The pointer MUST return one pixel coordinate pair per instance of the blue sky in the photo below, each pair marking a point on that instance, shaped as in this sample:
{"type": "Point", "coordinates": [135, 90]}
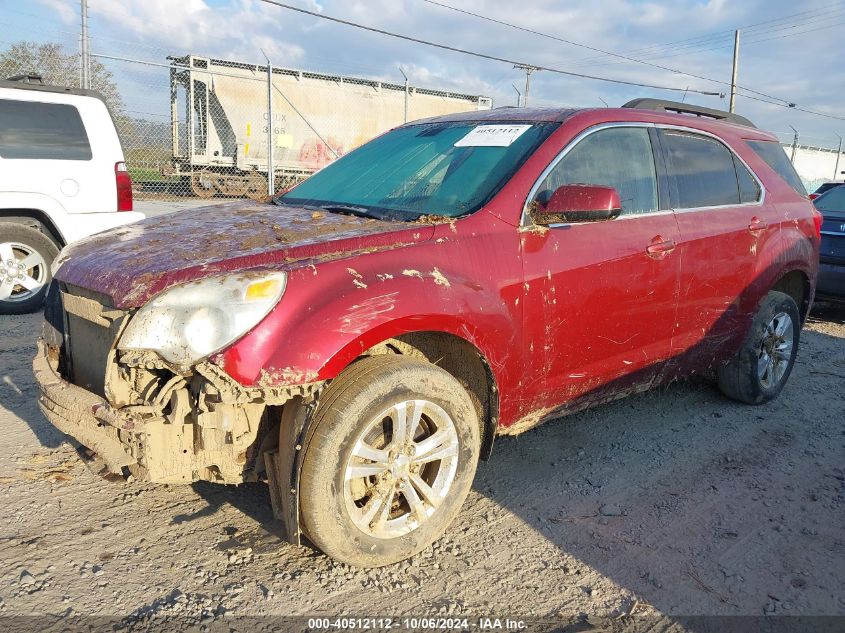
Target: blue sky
{"type": "Point", "coordinates": [793, 57]}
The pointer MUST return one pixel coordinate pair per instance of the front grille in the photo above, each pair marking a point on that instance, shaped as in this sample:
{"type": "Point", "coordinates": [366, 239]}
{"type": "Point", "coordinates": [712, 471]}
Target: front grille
{"type": "Point", "coordinates": [91, 327]}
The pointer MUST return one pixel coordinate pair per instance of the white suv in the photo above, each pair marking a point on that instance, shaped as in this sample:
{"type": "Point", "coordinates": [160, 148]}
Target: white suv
{"type": "Point", "coordinates": [62, 178]}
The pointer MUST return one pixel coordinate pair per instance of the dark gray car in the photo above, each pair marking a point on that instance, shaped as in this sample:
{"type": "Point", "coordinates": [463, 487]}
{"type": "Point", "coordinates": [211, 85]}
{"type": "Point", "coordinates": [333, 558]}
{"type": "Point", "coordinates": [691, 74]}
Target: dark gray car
{"type": "Point", "coordinates": [831, 283]}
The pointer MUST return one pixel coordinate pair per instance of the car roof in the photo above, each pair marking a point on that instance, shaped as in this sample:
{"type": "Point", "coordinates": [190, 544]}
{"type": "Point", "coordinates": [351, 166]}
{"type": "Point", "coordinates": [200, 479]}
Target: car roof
{"type": "Point", "coordinates": [507, 114]}
{"type": "Point", "coordinates": [23, 85]}
{"type": "Point", "coordinates": [594, 116]}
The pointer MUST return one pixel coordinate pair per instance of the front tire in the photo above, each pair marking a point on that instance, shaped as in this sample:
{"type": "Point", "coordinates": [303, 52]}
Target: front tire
{"type": "Point", "coordinates": [390, 459]}
{"type": "Point", "coordinates": [25, 258]}
{"type": "Point", "coordinates": [762, 366]}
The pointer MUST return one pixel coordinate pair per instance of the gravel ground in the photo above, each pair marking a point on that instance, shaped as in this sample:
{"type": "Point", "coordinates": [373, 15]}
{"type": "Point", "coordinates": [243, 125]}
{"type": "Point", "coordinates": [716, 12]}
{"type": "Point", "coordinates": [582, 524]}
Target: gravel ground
{"type": "Point", "coordinates": [669, 504]}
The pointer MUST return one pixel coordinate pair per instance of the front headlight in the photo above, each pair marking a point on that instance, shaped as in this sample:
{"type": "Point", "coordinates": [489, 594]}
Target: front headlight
{"type": "Point", "coordinates": [187, 323]}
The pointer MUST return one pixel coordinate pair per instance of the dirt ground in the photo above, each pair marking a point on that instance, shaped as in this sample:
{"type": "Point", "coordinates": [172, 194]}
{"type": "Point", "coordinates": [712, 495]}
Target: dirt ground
{"type": "Point", "coordinates": [674, 503]}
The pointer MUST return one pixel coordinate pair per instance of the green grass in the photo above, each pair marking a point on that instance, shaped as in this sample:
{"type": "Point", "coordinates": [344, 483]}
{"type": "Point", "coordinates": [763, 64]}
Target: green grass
{"type": "Point", "coordinates": [149, 174]}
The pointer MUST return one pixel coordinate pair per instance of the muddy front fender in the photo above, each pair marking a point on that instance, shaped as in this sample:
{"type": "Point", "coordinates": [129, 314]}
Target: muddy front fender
{"type": "Point", "coordinates": [331, 314]}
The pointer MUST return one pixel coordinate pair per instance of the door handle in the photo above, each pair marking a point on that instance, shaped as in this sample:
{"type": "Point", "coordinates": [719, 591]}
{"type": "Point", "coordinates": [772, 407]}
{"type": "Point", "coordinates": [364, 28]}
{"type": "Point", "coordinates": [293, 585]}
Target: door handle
{"type": "Point", "coordinates": [659, 247]}
{"type": "Point", "coordinates": [756, 225]}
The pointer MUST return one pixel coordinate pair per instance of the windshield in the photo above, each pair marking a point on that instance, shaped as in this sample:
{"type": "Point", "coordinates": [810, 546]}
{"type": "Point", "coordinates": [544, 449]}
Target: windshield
{"type": "Point", "coordinates": [440, 169]}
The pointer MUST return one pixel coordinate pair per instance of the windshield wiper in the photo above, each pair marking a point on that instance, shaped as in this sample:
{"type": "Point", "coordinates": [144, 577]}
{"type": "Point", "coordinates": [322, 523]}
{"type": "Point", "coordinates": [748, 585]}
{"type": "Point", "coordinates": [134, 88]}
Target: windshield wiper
{"type": "Point", "coordinates": [350, 210]}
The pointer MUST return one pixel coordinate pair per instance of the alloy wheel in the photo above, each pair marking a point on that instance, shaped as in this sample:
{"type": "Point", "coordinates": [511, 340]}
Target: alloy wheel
{"type": "Point", "coordinates": [775, 350]}
{"type": "Point", "coordinates": [23, 271]}
{"type": "Point", "coordinates": [401, 469]}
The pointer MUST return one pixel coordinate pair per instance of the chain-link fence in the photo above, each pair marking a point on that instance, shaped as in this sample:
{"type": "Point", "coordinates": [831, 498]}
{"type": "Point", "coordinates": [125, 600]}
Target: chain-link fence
{"type": "Point", "coordinates": [193, 126]}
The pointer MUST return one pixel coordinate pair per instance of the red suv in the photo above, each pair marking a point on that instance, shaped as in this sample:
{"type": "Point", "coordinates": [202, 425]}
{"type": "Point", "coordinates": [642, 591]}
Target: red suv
{"type": "Point", "coordinates": [359, 341]}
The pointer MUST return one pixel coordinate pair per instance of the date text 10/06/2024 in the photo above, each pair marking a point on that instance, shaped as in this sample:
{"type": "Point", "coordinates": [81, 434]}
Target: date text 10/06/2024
{"type": "Point", "coordinates": [421, 623]}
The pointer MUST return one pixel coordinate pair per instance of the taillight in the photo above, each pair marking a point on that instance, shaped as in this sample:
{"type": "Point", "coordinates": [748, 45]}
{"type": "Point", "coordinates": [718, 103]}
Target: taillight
{"type": "Point", "coordinates": [124, 187]}
{"type": "Point", "coordinates": [818, 219]}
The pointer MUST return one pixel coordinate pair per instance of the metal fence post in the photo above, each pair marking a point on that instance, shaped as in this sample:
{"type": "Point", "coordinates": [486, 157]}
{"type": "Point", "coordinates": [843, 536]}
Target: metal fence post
{"type": "Point", "coordinates": [838, 154]}
{"type": "Point", "coordinates": [406, 93]}
{"type": "Point", "coordinates": [794, 145]}
{"type": "Point", "coordinates": [271, 172]}
{"type": "Point", "coordinates": [86, 55]}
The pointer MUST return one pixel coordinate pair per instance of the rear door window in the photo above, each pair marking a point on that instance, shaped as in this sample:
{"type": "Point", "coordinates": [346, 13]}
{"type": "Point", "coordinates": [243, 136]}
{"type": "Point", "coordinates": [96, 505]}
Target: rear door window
{"type": "Point", "coordinates": [34, 130]}
{"type": "Point", "coordinates": [621, 158]}
{"type": "Point", "coordinates": [772, 152]}
{"type": "Point", "coordinates": [702, 171]}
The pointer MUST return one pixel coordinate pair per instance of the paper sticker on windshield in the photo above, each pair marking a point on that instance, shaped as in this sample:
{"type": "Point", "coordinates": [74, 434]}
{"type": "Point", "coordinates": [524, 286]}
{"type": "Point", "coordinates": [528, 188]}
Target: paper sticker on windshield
{"type": "Point", "coordinates": [492, 136]}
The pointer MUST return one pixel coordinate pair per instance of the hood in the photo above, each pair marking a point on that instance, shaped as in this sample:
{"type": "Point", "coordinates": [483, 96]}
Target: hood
{"type": "Point", "coordinates": [132, 263]}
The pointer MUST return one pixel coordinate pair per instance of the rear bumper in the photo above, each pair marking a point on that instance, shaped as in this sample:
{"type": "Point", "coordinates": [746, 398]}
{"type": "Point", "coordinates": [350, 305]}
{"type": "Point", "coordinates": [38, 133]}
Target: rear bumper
{"type": "Point", "coordinates": [79, 413]}
{"type": "Point", "coordinates": [831, 282]}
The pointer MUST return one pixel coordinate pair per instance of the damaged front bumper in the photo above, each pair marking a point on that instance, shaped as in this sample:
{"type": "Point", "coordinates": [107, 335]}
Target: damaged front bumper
{"type": "Point", "coordinates": [202, 426]}
{"type": "Point", "coordinates": [79, 413]}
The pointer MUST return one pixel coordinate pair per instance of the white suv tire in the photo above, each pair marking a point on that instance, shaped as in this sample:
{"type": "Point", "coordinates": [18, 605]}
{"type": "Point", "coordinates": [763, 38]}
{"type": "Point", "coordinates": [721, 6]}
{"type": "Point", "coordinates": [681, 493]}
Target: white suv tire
{"type": "Point", "coordinates": [25, 258]}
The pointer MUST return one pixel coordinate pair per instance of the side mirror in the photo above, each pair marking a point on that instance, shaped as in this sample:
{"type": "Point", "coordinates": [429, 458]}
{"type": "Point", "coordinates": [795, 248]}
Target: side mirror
{"type": "Point", "coordinates": [578, 203]}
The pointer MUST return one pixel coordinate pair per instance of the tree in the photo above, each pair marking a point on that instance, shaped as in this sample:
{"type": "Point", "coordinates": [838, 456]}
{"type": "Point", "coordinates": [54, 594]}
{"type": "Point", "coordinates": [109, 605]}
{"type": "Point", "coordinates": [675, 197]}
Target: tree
{"type": "Point", "coordinates": [58, 68]}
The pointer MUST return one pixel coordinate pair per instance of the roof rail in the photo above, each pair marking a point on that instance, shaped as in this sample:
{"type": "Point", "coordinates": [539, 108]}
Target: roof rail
{"type": "Point", "coordinates": [688, 108]}
{"type": "Point", "coordinates": [27, 78]}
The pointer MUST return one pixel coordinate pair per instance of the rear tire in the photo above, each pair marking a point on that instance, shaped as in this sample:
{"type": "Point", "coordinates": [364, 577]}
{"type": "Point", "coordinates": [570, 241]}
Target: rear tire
{"type": "Point", "coordinates": [26, 255]}
{"type": "Point", "coordinates": [762, 366]}
{"type": "Point", "coordinates": [389, 461]}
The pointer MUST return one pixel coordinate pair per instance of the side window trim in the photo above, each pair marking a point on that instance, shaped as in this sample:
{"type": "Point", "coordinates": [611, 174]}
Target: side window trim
{"type": "Point", "coordinates": [527, 222]}
{"type": "Point", "coordinates": [668, 188]}
{"type": "Point", "coordinates": [664, 197]}
{"type": "Point", "coordinates": [761, 198]}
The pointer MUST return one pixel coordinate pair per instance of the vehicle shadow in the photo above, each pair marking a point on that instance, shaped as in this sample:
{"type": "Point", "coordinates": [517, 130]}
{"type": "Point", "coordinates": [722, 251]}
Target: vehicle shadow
{"type": "Point", "coordinates": [830, 311]}
{"type": "Point", "coordinates": [18, 391]}
{"type": "Point", "coordinates": [693, 503]}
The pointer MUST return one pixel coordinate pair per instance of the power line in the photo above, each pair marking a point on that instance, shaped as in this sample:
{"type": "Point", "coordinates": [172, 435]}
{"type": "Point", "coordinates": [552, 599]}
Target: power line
{"type": "Point", "coordinates": [794, 106]}
{"type": "Point", "coordinates": [770, 99]}
{"type": "Point", "coordinates": [707, 39]}
{"type": "Point", "coordinates": [724, 42]}
{"type": "Point", "coordinates": [593, 48]}
{"type": "Point", "coordinates": [707, 43]}
{"type": "Point", "coordinates": [758, 40]}
{"type": "Point", "coordinates": [757, 35]}
{"type": "Point", "coordinates": [464, 51]}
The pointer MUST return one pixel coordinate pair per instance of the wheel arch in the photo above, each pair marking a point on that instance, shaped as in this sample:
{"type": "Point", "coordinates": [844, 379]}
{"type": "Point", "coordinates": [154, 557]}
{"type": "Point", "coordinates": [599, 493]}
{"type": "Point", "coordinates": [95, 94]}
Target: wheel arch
{"type": "Point", "coordinates": [36, 219]}
{"type": "Point", "coordinates": [797, 285]}
{"type": "Point", "coordinates": [461, 359]}
{"type": "Point", "coordinates": [292, 422]}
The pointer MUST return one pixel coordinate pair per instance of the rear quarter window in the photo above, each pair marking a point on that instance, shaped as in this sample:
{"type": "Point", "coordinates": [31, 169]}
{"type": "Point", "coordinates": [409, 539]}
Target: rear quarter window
{"type": "Point", "coordinates": [34, 130]}
{"type": "Point", "coordinates": [774, 156]}
{"type": "Point", "coordinates": [749, 189]}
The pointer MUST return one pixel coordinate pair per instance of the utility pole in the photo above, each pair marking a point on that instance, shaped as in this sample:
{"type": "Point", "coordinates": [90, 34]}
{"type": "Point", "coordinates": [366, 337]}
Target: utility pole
{"type": "Point", "coordinates": [406, 92]}
{"type": "Point", "coordinates": [838, 154]}
{"type": "Point", "coordinates": [518, 95]}
{"type": "Point", "coordinates": [735, 70]}
{"type": "Point", "coordinates": [528, 70]}
{"type": "Point", "coordinates": [86, 55]}
{"type": "Point", "coordinates": [794, 145]}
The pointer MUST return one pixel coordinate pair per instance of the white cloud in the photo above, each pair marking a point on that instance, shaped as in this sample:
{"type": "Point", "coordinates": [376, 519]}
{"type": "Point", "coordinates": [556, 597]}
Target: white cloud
{"type": "Point", "coordinates": [803, 68]}
{"type": "Point", "coordinates": [62, 8]}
